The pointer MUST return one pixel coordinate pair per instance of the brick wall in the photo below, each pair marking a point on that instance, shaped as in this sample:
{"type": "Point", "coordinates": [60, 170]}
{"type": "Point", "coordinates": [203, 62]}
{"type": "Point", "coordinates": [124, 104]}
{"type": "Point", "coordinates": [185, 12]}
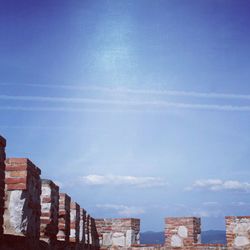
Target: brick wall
{"type": "Point", "coordinates": [238, 232]}
{"type": "Point", "coordinates": [2, 177]}
{"type": "Point", "coordinates": [64, 218]}
{"type": "Point", "coordinates": [93, 234]}
{"type": "Point", "coordinates": [87, 231]}
{"type": "Point", "coordinates": [22, 200]}
{"type": "Point", "coordinates": [49, 212]}
{"type": "Point", "coordinates": [74, 222]}
{"type": "Point", "coordinates": [82, 226]}
{"type": "Point", "coordinates": [118, 232]}
{"type": "Point", "coordinates": [182, 231]}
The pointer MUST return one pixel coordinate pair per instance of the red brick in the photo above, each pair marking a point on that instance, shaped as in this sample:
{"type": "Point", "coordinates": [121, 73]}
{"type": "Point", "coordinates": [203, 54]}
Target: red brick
{"type": "Point", "coordinates": [19, 186]}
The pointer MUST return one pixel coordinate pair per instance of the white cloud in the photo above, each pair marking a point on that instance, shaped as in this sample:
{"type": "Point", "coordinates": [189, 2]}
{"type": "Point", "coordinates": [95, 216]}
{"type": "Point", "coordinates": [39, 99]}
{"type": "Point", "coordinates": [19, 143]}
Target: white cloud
{"type": "Point", "coordinates": [122, 209]}
{"type": "Point", "coordinates": [217, 185]}
{"type": "Point", "coordinates": [99, 180]}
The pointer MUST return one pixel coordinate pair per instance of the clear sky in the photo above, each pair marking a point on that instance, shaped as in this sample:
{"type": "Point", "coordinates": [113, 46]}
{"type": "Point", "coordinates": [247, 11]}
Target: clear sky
{"type": "Point", "coordinates": [137, 108]}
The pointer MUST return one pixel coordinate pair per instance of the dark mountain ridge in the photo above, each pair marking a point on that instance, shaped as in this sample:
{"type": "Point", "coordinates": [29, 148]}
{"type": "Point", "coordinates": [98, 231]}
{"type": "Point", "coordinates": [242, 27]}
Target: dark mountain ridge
{"type": "Point", "coordinates": [207, 237]}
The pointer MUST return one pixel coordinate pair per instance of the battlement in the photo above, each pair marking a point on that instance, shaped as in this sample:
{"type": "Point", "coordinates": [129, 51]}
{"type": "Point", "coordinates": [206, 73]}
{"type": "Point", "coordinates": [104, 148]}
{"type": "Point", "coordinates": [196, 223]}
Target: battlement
{"type": "Point", "coordinates": [35, 215]}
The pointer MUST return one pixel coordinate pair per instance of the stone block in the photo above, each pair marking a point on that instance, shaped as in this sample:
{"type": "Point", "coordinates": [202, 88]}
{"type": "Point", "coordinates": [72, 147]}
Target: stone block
{"type": "Point", "coordinates": [49, 212]}
{"type": "Point", "coordinates": [182, 231]}
{"type": "Point", "coordinates": [64, 218]}
{"type": "Point", "coordinates": [238, 232]}
{"type": "Point", "coordinates": [74, 222]}
{"type": "Point", "coordinates": [22, 200]}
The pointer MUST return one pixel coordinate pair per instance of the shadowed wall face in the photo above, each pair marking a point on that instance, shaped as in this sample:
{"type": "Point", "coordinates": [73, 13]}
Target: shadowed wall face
{"type": "Point", "coordinates": [64, 218]}
{"type": "Point", "coordinates": [2, 177]}
{"type": "Point", "coordinates": [49, 211]}
{"type": "Point", "coordinates": [74, 222]}
{"type": "Point", "coordinates": [82, 226]}
{"type": "Point", "coordinates": [22, 199]}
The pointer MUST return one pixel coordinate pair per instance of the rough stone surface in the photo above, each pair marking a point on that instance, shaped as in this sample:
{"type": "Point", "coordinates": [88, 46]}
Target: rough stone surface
{"type": "Point", "coordinates": [22, 200]}
{"type": "Point", "coordinates": [82, 226]}
{"type": "Point", "coordinates": [74, 222]}
{"type": "Point", "coordinates": [49, 212]}
{"type": "Point", "coordinates": [182, 231]}
{"type": "Point", "coordinates": [238, 231]}
{"type": "Point", "coordinates": [64, 218]}
{"type": "Point", "coordinates": [118, 232]}
{"type": "Point", "coordinates": [87, 231]}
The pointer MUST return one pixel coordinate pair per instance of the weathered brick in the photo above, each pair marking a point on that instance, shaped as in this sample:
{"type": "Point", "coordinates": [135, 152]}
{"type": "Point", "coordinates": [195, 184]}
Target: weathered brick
{"type": "Point", "coordinates": [49, 212]}
{"type": "Point", "coordinates": [122, 232]}
{"type": "Point", "coordinates": [64, 218]}
{"type": "Point", "coordinates": [22, 201]}
{"type": "Point", "coordinates": [182, 231]}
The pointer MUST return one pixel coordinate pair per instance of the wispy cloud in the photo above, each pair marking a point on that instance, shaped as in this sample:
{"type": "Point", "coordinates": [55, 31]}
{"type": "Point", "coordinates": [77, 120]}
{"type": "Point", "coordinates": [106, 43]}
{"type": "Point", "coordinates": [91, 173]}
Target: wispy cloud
{"type": "Point", "coordinates": [208, 213]}
{"type": "Point", "coordinates": [117, 180]}
{"type": "Point", "coordinates": [218, 185]}
{"type": "Point", "coordinates": [210, 203]}
{"type": "Point", "coordinates": [117, 106]}
{"type": "Point", "coordinates": [122, 209]}
{"type": "Point", "coordinates": [159, 91]}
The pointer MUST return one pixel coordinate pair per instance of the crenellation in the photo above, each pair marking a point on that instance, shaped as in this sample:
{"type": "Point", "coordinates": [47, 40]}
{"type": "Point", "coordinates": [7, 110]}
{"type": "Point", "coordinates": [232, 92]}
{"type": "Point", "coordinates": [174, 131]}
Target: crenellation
{"type": "Point", "coordinates": [49, 212]}
{"type": "Point", "coordinates": [122, 232]}
{"type": "Point", "coordinates": [237, 232]}
{"type": "Point", "coordinates": [22, 200]}
{"type": "Point", "coordinates": [182, 231]}
{"type": "Point", "coordinates": [74, 222]}
{"type": "Point", "coordinates": [82, 226]}
{"type": "Point", "coordinates": [35, 215]}
{"type": "Point", "coordinates": [64, 218]}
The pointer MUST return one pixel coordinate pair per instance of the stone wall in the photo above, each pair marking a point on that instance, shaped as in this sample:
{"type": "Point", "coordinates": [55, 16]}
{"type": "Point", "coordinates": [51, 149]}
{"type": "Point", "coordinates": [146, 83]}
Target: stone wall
{"type": "Point", "coordinates": [49, 212]}
{"type": "Point", "coordinates": [238, 232]}
{"type": "Point", "coordinates": [36, 217]}
{"type": "Point", "coordinates": [87, 231]}
{"type": "Point", "coordinates": [82, 226]}
{"type": "Point", "coordinates": [64, 218]}
{"type": "Point", "coordinates": [74, 222]}
{"type": "Point", "coordinates": [94, 237]}
{"type": "Point", "coordinates": [2, 177]}
{"type": "Point", "coordinates": [118, 232]}
{"type": "Point", "coordinates": [22, 200]}
{"type": "Point", "coordinates": [182, 231]}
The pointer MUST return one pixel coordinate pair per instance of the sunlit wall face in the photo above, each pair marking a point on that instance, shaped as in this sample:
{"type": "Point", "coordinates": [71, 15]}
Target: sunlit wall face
{"type": "Point", "coordinates": [137, 108]}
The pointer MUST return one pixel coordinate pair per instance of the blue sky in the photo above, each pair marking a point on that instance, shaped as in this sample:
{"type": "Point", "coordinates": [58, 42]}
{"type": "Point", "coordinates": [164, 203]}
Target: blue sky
{"type": "Point", "coordinates": [137, 108]}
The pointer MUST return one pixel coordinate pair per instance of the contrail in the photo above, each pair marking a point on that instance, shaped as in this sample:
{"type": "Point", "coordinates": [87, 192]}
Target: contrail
{"type": "Point", "coordinates": [140, 91]}
{"type": "Point", "coordinates": [155, 104]}
{"type": "Point", "coordinates": [147, 107]}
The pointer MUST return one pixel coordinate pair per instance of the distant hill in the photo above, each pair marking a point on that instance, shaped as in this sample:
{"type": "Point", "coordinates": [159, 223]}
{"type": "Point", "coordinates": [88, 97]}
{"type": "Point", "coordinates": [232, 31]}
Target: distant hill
{"type": "Point", "coordinates": [211, 236]}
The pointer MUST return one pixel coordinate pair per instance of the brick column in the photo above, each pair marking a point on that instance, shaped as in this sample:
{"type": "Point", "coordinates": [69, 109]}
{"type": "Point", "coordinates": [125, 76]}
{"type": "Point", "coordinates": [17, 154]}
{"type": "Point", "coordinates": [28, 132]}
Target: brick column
{"type": "Point", "coordinates": [82, 226]}
{"type": "Point", "coordinates": [122, 232]}
{"type": "Point", "coordinates": [237, 232]}
{"type": "Point", "coordinates": [64, 218]}
{"type": "Point", "coordinates": [94, 234]}
{"type": "Point", "coordinates": [2, 177]}
{"type": "Point", "coordinates": [22, 200]}
{"type": "Point", "coordinates": [182, 231]}
{"type": "Point", "coordinates": [74, 222]}
{"type": "Point", "coordinates": [49, 212]}
{"type": "Point", "coordinates": [87, 232]}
